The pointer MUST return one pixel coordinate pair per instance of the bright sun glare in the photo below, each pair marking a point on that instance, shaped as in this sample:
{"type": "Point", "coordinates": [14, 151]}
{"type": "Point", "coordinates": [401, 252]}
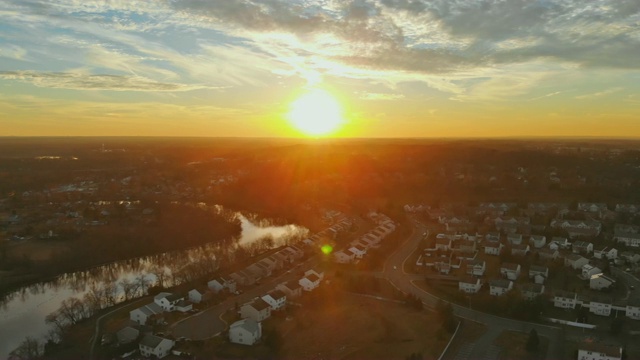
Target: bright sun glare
{"type": "Point", "coordinates": [316, 113]}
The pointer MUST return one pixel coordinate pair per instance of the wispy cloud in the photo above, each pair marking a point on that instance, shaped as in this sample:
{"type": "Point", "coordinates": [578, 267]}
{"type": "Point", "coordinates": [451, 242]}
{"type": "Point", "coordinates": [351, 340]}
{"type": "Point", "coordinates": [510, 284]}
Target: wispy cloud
{"type": "Point", "coordinates": [380, 96]}
{"type": "Point", "coordinates": [79, 81]}
{"type": "Point", "coordinates": [599, 93]}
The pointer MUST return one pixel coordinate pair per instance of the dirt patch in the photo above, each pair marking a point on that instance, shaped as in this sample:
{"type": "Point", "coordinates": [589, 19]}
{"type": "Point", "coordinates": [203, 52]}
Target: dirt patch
{"type": "Point", "coordinates": [36, 250]}
{"type": "Point", "coordinates": [340, 325]}
{"type": "Point", "coordinates": [513, 345]}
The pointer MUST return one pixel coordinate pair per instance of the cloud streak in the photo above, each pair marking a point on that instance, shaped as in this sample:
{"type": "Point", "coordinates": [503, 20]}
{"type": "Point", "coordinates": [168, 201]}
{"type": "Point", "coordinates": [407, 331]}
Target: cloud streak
{"type": "Point", "coordinates": [78, 81]}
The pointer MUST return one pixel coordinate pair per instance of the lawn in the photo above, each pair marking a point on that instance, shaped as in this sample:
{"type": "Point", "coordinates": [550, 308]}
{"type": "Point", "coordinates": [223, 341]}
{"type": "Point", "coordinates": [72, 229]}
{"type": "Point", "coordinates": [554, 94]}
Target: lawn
{"type": "Point", "coordinates": [513, 345]}
{"type": "Point", "coordinates": [334, 324]}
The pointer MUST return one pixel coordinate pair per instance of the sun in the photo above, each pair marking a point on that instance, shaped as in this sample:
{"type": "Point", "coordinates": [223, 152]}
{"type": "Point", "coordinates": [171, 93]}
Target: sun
{"type": "Point", "coordinates": [316, 113]}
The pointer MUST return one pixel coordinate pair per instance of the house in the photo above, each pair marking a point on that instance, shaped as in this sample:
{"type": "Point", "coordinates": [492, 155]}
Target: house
{"type": "Point", "coordinates": [127, 335]}
{"type": "Point", "coordinates": [358, 251]}
{"type": "Point", "coordinates": [538, 241]}
{"type": "Point", "coordinates": [245, 332]}
{"type": "Point", "coordinates": [167, 301]}
{"type": "Point", "coordinates": [344, 256]}
{"type": "Point", "coordinates": [499, 287]}
{"type": "Point", "coordinates": [548, 253]}
{"type": "Point", "coordinates": [606, 252]}
{"type": "Point", "coordinates": [588, 270]}
{"type": "Point", "coordinates": [142, 314]}
{"type": "Point", "coordinates": [443, 244]}
{"type": "Point", "coordinates": [493, 247]}
{"type": "Point", "coordinates": [468, 246]}
{"type": "Point", "coordinates": [627, 208]}
{"type": "Point", "coordinates": [514, 239]}
{"type": "Point", "coordinates": [155, 346]}
{"type": "Point", "coordinates": [597, 351]}
{"type": "Point", "coordinates": [257, 310]}
{"type": "Point", "coordinates": [565, 299]}
{"type": "Point", "coordinates": [469, 285]}
{"type": "Point", "coordinates": [600, 282]}
{"type": "Point", "coordinates": [510, 270]}
{"type": "Point", "coordinates": [531, 291]}
{"type": "Point", "coordinates": [476, 267]}
{"type": "Point", "coordinates": [632, 310]}
{"type": "Point", "coordinates": [535, 270]}
{"type": "Point", "coordinates": [592, 207]}
{"type": "Point", "coordinates": [218, 284]}
{"type": "Point", "coordinates": [277, 299]}
{"type": "Point", "coordinates": [309, 282]}
{"type": "Point", "coordinates": [600, 306]}
{"type": "Point", "coordinates": [575, 261]}
{"type": "Point", "coordinates": [582, 247]}
{"type": "Point", "coordinates": [184, 306]}
{"type": "Point", "coordinates": [520, 250]}
{"type": "Point", "coordinates": [244, 278]}
{"type": "Point", "coordinates": [197, 296]}
{"type": "Point", "coordinates": [291, 288]}
{"type": "Point", "coordinates": [498, 208]}
{"type": "Point", "coordinates": [558, 242]}
{"type": "Point", "coordinates": [627, 238]}
{"type": "Point", "coordinates": [630, 257]}
{"type": "Point", "coordinates": [315, 271]}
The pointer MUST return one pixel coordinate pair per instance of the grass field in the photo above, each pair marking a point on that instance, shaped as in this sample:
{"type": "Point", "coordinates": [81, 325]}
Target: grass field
{"type": "Point", "coordinates": [334, 324]}
{"type": "Point", "coordinates": [513, 345]}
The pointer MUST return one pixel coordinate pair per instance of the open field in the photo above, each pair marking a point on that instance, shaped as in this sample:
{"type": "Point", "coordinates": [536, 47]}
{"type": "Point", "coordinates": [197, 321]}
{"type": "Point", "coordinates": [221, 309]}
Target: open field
{"type": "Point", "coordinates": [338, 325]}
{"type": "Point", "coordinates": [513, 345]}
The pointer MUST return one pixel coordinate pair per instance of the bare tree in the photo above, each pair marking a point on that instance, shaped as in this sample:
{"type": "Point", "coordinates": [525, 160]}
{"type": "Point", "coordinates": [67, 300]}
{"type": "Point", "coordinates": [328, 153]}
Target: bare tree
{"type": "Point", "coordinates": [28, 349]}
{"type": "Point", "coordinates": [128, 288]}
{"type": "Point", "coordinates": [141, 284]}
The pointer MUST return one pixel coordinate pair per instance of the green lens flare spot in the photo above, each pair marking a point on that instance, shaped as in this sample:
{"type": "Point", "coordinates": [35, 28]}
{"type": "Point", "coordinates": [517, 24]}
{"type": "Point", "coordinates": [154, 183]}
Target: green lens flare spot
{"type": "Point", "coordinates": [326, 249]}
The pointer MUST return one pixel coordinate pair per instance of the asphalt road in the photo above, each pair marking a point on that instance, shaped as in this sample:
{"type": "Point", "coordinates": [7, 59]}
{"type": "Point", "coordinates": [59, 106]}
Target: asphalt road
{"type": "Point", "coordinates": [394, 272]}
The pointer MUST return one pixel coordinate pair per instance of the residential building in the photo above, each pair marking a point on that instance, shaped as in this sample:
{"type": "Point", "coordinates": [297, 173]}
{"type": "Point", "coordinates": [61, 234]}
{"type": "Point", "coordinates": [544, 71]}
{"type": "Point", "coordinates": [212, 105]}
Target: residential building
{"type": "Point", "coordinates": [142, 314]}
{"type": "Point", "coordinates": [127, 335]}
{"type": "Point", "coordinates": [443, 244]}
{"type": "Point", "coordinates": [291, 288]}
{"type": "Point", "coordinates": [257, 310]}
{"type": "Point", "coordinates": [469, 285]}
{"type": "Point", "coordinates": [588, 270]}
{"type": "Point", "coordinates": [575, 261]}
{"type": "Point", "coordinates": [608, 253]}
{"type": "Point", "coordinates": [498, 287]}
{"type": "Point", "coordinates": [565, 300]}
{"type": "Point", "coordinates": [538, 241]}
{"type": "Point", "coordinates": [514, 239]}
{"type": "Point", "coordinates": [600, 306]}
{"type": "Point", "coordinates": [344, 256]}
{"type": "Point", "coordinates": [548, 253]}
{"type": "Point", "coordinates": [309, 282]}
{"type": "Point", "coordinates": [476, 267]}
{"type": "Point", "coordinates": [630, 257]}
{"type": "Point", "coordinates": [315, 271]}
{"type": "Point", "coordinates": [592, 207]}
{"type": "Point", "coordinates": [531, 291]}
{"type": "Point", "coordinates": [582, 247]}
{"type": "Point", "coordinates": [197, 296]}
{"type": "Point", "coordinates": [627, 238]}
{"type": "Point", "coordinates": [520, 250]}
{"type": "Point", "coordinates": [167, 301]}
{"type": "Point", "coordinates": [632, 310]}
{"type": "Point", "coordinates": [155, 346]}
{"type": "Point", "coordinates": [245, 332]}
{"type": "Point", "coordinates": [538, 270]}
{"type": "Point", "coordinates": [559, 243]}
{"type": "Point", "coordinates": [591, 351]}
{"type": "Point", "coordinates": [183, 306]}
{"type": "Point", "coordinates": [218, 284]}
{"type": "Point", "coordinates": [627, 208]}
{"type": "Point", "coordinates": [510, 270]}
{"type": "Point", "coordinates": [493, 247]}
{"type": "Point", "coordinates": [600, 282]}
{"type": "Point", "coordinates": [277, 299]}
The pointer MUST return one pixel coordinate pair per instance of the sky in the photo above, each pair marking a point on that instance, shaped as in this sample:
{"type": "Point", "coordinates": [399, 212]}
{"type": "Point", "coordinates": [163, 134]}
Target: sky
{"type": "Point", "coordinates": [397, 68]}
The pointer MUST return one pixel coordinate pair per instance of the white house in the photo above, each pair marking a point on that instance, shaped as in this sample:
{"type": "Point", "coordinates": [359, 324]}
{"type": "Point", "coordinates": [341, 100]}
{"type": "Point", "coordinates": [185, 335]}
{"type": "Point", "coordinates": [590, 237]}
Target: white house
{"type": "Point", "coordinates": [167, 301]}
{"type": "Point", "coordinates": [245, 332]}
{"type": "Point", "coordinates": [600, 281]}
{"type": "Point", "coordinates": [443, 244]}
{"type": "Point", "coordinates": [520, 249]}
{"type": "Point", "coordinates": [344, 256]}
{"type": "Point", "coordinates": [493, 247]}
{"type": "Point", "coordinates": [257, 310]}
{"type": "Point", "coordinates": [632, 310]}
{"type": "Point", "coordinates": [588, 270]}
{"type": "Point", "coordinates": [197, 296]}
{"type": "Point", "coordinates": [627, 238]}
{"type": "Point", "coordinates": [582, 247]}
{"type": "Point", "coordinates": [315, 271]}
{"type": "Point", "coordinates": [142, 314]}
{"type": "Point", "coordinates": [600, 306]}
{"type": "Point", "coordinates": [531, 291]}
{"type": "Point", "coordinates": [218, 284]}
{"type": "Point", "coordinates": [538, 241]}
{"type": "Point", "coordinates": [359, 251]}
{"type": "Point", "coordinates": [184, 306]}
{"type": "Point", "coordinates": [590, 351]}
{"type": "Point", "coordinates": [514, 239]}
{"type": "Point", "coordinates": [558, 242]}
{"type": "Point", "coordinates": [476, 267]}
{"type": "Point", "coordinates": [548, 253]}
{"type": "Point", "coordinates": [469, 285]}
{"type": "Point", "coordinates": [156, 346]}
{"type": "Point", "coordinates": [510, 270]}
{"type": "Point", "coordinates": [499, 287]}
{"type": "Point", "coordinates": [608, 253]}
{"type": "Point", "coordinates": [309, 282]}
{"type": "Point", "coordinates": [565, 300]}
{"type": "Point", "coordinates": [277, 299]}
{"type": "Point", "coordinates": [538, 273]}
{"type": "Point", "coordinates": [291, 288]}
{"type": "Point", "coordinates": [575, 261]}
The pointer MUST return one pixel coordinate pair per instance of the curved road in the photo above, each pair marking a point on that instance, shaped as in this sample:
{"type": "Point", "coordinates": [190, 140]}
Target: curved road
{"type": "Point", "coordinates": [394, 272]}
